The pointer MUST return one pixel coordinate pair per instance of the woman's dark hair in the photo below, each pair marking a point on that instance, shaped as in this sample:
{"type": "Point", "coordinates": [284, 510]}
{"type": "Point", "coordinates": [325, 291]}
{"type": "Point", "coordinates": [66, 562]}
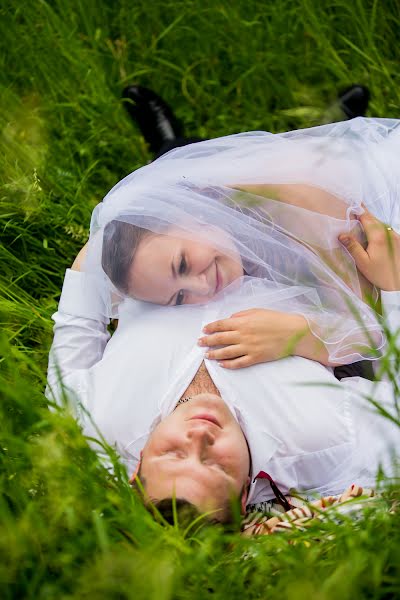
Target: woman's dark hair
{"type": "Point", "coordinates": [120, 242]}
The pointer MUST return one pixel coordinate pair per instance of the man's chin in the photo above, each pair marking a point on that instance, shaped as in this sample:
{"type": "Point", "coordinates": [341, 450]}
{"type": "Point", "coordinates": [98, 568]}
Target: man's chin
{"type": "Point", "coordinates": [205, 397]}
{"type": "Point", "coordinates": [214, 404]}
{"type": "Point", "coordinates": [208, 402]}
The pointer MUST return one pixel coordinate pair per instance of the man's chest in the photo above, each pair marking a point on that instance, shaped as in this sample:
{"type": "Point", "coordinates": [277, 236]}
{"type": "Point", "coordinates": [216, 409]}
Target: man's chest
{"type": "Point", "coordinates": [201, 383]}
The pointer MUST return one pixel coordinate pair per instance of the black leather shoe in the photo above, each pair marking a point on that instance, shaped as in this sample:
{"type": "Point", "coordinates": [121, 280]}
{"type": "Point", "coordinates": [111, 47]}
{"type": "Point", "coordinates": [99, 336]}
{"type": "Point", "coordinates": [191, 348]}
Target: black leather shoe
{"type": "Point", "coordinates": [154, 117]}
{"type": "Point", "coordinates": [354, 101]}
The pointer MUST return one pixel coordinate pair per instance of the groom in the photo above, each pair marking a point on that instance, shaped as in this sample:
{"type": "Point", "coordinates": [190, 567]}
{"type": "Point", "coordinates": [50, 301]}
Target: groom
{"type": "Point", "coordinates": [202, 433]}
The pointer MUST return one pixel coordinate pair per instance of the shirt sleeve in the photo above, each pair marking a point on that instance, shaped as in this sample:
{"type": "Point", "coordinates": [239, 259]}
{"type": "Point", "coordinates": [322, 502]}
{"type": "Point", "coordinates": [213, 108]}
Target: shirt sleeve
{"type": "Point", "coordinates": [391, 310]}
{"type": "Point", "coordinates": [80, 337]}
{"type": "Point", "coordinates": [391, 314]}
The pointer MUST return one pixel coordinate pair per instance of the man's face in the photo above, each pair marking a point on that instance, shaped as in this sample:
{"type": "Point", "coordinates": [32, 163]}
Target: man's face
{"type": "Point", "coordinates": [198, 453]}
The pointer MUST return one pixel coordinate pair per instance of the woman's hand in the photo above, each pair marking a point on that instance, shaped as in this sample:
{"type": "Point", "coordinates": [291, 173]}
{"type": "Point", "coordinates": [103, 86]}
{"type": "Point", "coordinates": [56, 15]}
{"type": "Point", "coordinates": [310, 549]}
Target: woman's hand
{"type": "Point", "coordinates": [380, 261]}
{"type": "Point", "coordinates": [258, 335]}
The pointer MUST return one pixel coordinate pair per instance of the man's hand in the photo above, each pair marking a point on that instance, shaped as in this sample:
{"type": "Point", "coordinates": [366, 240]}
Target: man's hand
{"type": "Point", "coordinates": [258, 335]}
{"type": "Point", "coordinates": [380, 261]}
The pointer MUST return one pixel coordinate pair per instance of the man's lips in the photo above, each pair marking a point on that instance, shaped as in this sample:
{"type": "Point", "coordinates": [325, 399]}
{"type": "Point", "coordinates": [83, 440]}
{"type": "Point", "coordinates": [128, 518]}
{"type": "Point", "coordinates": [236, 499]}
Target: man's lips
{"type": "Point", "coordinates": [206, 417]}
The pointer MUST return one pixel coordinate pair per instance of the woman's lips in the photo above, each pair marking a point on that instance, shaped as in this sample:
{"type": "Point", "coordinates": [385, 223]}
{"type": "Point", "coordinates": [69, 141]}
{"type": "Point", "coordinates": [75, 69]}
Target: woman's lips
{"type": "Point", "coordinates": [218, 279]}
{"type": "Point", "coordinates": [207, 417]}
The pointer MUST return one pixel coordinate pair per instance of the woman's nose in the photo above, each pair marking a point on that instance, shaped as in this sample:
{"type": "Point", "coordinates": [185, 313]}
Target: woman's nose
{"type": "Point", "coordinates": [198, 285]}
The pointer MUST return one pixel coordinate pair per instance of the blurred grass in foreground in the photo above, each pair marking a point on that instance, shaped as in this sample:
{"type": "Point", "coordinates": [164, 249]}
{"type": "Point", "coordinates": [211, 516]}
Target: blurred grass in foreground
{"type": "Point", "coordinates": [68, 529]}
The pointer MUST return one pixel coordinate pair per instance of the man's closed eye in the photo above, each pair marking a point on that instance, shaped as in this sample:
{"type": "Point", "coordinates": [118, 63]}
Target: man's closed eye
{"type": "Point", "coordinates": [174, 453]}
{"type": "Point", "coordinates": [215, 465]}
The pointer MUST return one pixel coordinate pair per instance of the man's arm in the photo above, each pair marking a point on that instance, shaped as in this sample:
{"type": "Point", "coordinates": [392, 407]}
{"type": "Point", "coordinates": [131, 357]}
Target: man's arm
{"type": "Point", "coordinates": [80, 336]}
{"type": "Point", "coordinates": [387, 368]}
{"type": "Point", "coordinates": [391, 311]}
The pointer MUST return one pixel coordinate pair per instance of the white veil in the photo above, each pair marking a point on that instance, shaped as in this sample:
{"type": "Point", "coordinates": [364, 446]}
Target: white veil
{"type": "Point", "coordinates": [282, 199]}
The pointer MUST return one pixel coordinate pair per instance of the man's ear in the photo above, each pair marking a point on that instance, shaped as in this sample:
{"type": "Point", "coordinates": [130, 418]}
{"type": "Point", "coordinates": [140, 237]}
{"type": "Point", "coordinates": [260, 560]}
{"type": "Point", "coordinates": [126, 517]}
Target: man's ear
{"type": "Point", "coordinates": [244, 496]}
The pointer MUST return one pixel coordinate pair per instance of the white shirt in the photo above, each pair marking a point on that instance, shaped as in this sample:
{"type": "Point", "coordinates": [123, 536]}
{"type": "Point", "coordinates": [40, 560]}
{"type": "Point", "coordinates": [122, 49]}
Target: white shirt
{"type": "Point", "coordinates": [306, 429]}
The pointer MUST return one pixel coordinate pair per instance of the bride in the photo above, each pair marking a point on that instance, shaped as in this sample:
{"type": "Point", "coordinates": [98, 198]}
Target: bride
{"type": "Point", "coordinates": [266, 216]}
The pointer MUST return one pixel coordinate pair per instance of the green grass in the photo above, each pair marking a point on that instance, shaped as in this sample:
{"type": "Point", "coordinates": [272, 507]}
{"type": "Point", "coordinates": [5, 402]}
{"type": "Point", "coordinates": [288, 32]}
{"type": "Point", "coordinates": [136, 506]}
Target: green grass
{"type": "Point", "coordinates": [68, 529]}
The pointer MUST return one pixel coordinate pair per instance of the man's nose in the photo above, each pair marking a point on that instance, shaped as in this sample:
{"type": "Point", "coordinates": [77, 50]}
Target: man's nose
{"type": "Point", "coordinates": [201, 435]}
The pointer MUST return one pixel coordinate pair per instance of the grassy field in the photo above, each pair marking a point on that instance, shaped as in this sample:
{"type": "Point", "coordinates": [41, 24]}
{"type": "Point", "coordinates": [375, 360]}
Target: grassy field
{"type": "Point", "coordinates": [68, 529]}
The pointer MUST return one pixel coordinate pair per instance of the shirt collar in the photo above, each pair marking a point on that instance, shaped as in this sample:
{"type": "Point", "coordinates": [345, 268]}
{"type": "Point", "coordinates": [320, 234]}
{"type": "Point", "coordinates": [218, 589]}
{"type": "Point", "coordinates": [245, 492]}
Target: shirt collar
{"type": "Point", "coordinates": [262, 446]}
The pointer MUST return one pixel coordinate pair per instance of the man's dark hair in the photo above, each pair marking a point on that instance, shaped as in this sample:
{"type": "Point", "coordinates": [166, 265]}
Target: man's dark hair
{"type": "Point", "coordinates": [120, 242]}
{"type": "Point", "coordinates": [186, 511]}
{"type": "Point", "coordinates": [167, 507]}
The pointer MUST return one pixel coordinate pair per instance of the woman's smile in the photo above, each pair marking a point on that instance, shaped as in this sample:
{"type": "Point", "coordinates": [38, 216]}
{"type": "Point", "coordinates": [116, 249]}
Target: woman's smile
{"type": "Point", "coordinates": [219, 280]}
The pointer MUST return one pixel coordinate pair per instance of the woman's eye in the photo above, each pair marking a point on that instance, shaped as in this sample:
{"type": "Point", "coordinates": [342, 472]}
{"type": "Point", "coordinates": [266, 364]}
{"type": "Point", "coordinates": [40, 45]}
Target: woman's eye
{"type": "Point", "coordinates": [180, 297]}
{"type": "Point", "coordinates": [182, 266]}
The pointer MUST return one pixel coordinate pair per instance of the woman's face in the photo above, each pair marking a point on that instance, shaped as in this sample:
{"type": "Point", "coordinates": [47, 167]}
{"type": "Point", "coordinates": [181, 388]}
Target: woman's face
{"type": "Point", "coordinates": [169, 269]}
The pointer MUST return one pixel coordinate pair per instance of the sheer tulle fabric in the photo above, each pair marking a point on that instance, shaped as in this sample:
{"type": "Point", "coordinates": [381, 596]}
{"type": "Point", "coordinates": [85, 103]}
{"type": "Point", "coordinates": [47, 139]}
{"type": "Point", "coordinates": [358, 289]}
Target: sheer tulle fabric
{"type": "Point", "coordinates": [281, 201]}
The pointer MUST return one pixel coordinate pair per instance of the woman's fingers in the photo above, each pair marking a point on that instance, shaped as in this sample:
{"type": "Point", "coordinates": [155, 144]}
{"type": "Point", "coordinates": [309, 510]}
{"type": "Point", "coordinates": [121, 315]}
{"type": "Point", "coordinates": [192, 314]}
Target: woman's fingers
{"type": "Point", "coordinates": [228, 352]}
{"type": "Point", "coordinates": [354, 247]}
{"type": "Point", "coordinates": [245, 313]}
{"type": "Point", "coordinates": [222, 325]}
{"type": "Point", "coordinates": [219, 339]}
{"type": "Point", "coordinates": [374, 229]}
{"type": "Point", "coordinates": [380, 262]}
{"type": "Point", "coordinates": [237, 363]}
